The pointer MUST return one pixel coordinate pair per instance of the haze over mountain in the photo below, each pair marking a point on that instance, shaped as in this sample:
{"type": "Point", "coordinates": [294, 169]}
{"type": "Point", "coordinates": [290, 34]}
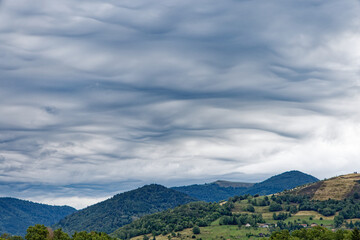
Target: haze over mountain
{"type": "Point", "coordinates": [222, 190]}
{"type": "Point", "coordinates": [17, 215]}
{"type": "Point", "coordinates": [123, 208]}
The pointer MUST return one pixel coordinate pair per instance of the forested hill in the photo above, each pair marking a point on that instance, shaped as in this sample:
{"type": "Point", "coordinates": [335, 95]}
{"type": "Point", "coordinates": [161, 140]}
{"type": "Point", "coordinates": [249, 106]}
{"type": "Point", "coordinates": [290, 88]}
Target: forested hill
{"type": "Point", "coordinates": [123, 208]}
{"type": "Point", "coordinates": [281, 182]}
{"type": "Point", "coordinates": [17, 215]}
{"type": "Point", "coordinates": [214, 192]}
{"type": "Point", "coordinates": [222, 190]}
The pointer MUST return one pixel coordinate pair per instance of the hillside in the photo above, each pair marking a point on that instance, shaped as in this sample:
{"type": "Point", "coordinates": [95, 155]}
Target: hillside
{"type": "Point", "coordinates": [17, 215]}
{"type": "Point", "coordinates": [214, 192]}
{"type": "Point", "coordinates": [222, 190]}
{"type": "Point", "coordinates": [123, 208]}
{"type": "Point", "coordinates": [281, 182]}
{"type": "Point", "coordinates": [249, 217]}
{"type": "Point", "coordinates": [173, 220]}
{"type": "Point", "coordinates": [337, 188]}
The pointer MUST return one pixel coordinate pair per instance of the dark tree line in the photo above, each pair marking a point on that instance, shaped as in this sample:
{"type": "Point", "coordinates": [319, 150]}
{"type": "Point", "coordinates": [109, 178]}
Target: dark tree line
{"type": "Point", "coordinates": [40, 232]}
{"type": "Point", "coordinates": [186, 216]}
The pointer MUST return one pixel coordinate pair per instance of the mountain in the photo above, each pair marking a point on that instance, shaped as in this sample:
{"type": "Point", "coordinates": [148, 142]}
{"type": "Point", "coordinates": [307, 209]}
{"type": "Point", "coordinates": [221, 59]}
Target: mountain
{"type": "Point", "coordinates": [123, 208]}
{"type": "Point", "coordinates": [338, 188]}
{"type": "Point", "coordinates": [281, 182]}
{"type": "Point", "coordinates": [216, 191]}
{"type": "Point", "coordinates": [333, 203]}
{"type": "Point", "coordinates": [222, 190]}
{"type": "Point", "coordinates": [17, 215]}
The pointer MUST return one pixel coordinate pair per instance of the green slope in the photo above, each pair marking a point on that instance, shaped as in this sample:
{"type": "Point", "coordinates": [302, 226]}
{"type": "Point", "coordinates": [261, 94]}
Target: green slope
{"type": "Point", "coordinates": [123, 208]}
{"type": "Point", "coordinates": [177, 219]}
{"type": "Point", "coordinates": [17, 215]}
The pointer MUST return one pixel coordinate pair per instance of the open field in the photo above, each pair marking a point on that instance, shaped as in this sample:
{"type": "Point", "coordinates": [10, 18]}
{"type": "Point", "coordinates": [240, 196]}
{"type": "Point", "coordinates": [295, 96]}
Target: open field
{"type": "Point", "coordinates": [215, 233]}
{"type": "Point", "coordinates": [337, 188]}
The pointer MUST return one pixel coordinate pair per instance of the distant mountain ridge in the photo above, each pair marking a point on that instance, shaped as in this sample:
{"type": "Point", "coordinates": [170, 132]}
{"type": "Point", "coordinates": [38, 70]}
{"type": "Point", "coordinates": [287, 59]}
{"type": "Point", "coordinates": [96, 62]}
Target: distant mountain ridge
{"type": "Point", "coordinates": [223, 183]}
{"type": "Point", "coordinates": [281, 182]}
{"type": "Point", "coordinates": [123, 208]}
{"type": "Point", "coordinates": [222, 190]}
{"type": "Point", "coordinates": [213, 192]}
{"type": "Point", "coordinates": [17, 215]}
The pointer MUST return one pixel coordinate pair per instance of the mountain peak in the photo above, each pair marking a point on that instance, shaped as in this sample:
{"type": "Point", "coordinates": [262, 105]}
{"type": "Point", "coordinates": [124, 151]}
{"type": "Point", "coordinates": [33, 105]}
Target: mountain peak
{"type": "Point", "coordinates": [17, 214]}
{"type": "Point", "coordinates": [123, 208]}
{"type": "Point", "coordinates": [284, 181]}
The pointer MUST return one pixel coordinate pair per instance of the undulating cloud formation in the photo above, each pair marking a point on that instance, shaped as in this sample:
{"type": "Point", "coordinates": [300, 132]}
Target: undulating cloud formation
{"type": "Point", "coordinates": [101, 96]}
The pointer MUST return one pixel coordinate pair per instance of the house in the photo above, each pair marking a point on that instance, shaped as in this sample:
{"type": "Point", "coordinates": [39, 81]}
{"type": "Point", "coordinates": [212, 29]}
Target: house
{"type": "Point", "coordinates": [263, 225]}
{"type": "Point", "coordinates": [247, 225]}
{"type": "Point", "coordinates": [313, 225]}
{"type": "Point", "coordinates": [303, 225]}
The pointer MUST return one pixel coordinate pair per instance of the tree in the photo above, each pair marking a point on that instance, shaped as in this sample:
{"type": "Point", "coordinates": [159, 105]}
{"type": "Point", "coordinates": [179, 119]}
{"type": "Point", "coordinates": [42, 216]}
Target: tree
{"type": "Point", "coordinates": [275, 207]}
{"type": "Point", "coordinates": [81, 236]}
{"type": "Point", "coordinates": [37, 232]}
{"type": "Point", "coordinates": [355, 234]}
{"type": "Point", "coordinates": [283, 235]}
{"type": "Point", "coordinates": [196, 230]}
{"type": "Point", "coordinates": [250, 208]}
{"type": "Point", "coordinates": [356, 195]}
{"type": "Point", "coordinates": [60, 235]}
{"type": "Point", "coordinates": [338, 221]}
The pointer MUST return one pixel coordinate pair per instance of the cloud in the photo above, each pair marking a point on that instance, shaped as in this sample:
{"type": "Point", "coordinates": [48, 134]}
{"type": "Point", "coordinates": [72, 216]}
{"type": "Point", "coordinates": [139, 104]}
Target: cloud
{"type": "Point", "coordinates": [107, 92]}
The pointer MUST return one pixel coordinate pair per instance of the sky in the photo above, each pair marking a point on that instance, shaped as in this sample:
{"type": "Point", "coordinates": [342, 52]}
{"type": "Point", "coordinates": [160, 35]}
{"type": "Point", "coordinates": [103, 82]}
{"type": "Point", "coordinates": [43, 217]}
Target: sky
{"type": "Point", "coordinates": [99, 97]}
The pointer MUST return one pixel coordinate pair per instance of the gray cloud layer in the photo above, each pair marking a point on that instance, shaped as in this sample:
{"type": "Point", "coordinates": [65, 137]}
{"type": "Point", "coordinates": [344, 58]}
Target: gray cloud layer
{"type": "Point", "coordinates": [118, 93]}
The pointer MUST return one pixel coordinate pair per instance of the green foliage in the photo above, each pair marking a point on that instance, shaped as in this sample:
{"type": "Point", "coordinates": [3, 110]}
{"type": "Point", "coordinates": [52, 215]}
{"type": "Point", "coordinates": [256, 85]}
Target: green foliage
{"type": "Point", "coordinates": [250, 208]}
{"type": "Point", "coordinates": [355, 235]}
{"type": "Point", "coordinates": [242, 219]}
{"type": "Point", "coordinates": [338, 221]}
{"type": "Point", "coordinates": [281, 235]}
{"type": "Point", "coordinates": [316, 233]}
{"type": "Point", "coordinates": [177, 219]}
{"type": "Point", "coordinates": [6, 236]}
{"type": "Point", "coordinates": [281, 216]}
{"type": "Point", "coordinates": [196, 230]}
{"type": "Point", "coordinates": [275, 207]}
{"type": "Point", "coordinates": [17, 215]}
{"type": "Point", "coordinates": [356, 195]}
{"type": "Point", "coordinates": [37, 232]}
{"type": "Point", "coordinates": [109, 215]}
{"type": "Point", "coordinates": [60, 235]}
{"type": "Point", "coordinates": [90, 236]}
